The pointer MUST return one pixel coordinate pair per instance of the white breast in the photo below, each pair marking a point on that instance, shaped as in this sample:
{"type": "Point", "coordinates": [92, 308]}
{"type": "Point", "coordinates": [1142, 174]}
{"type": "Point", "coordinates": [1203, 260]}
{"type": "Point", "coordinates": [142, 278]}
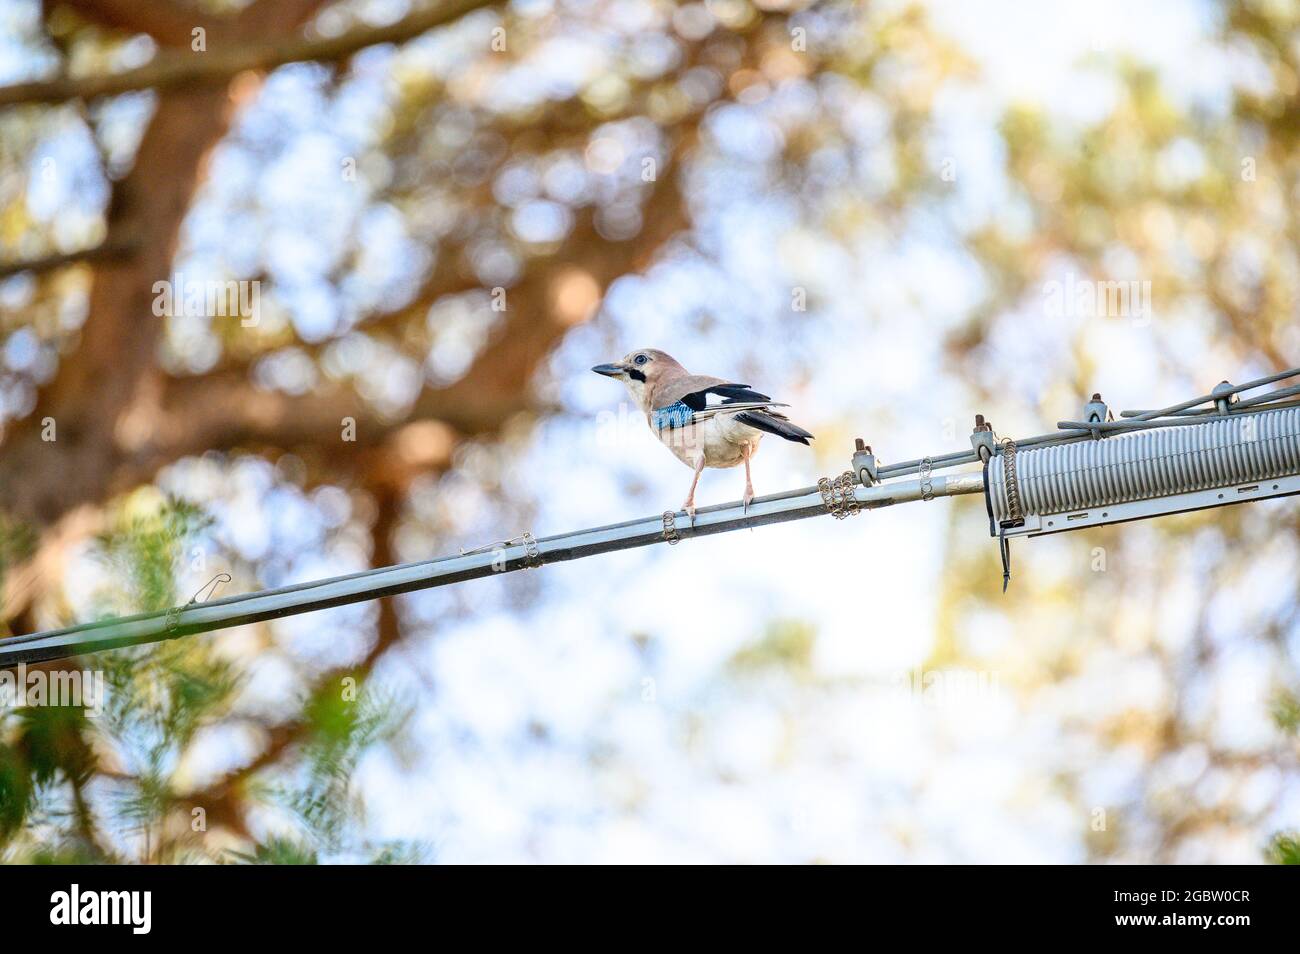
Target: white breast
{"type": "Point", "coordinates": [722, 440]}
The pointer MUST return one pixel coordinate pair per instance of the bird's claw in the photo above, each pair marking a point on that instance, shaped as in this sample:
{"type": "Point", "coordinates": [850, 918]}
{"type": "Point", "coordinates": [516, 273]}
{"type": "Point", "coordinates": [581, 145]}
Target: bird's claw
{"type": "Point", "coordinates": [746, 500]}
{"type": "Point", "coordinates": [689, 508]}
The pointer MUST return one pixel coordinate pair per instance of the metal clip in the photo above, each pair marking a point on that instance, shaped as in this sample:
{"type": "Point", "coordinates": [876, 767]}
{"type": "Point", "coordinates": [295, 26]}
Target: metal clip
{"type": "Point", "coordinates": [532, 556]}
{"type": "Point", "coordinates": [864, 464]}
{"type": "Point", "coordinates": [173, 620]}
{"type": "Point", "coordinates": [670, 529]}
{"type": "Point", "coordinates": [1224, 397]}
{"type": "Point", "coordinates": [213, 584]}
{"type": "Point", "coordinates": [173, 617]}
{"type": "Point", "coordinates": [1096, 412]}
{"type": "Point", "coordinates": [981, 439]}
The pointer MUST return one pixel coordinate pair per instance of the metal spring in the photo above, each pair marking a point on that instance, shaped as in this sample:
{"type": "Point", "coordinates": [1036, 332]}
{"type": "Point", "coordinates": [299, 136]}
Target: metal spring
{"type": "Point", "coordinates": [532, 558]}
{"type": "Point", "coordinates": [671, 536]}
{"type": "Point", "coordinates": [927, 487]}
{"type": "Point", "coordinates": [838, 495]}
{"type": "Point", "coordinates": [1015, 512]}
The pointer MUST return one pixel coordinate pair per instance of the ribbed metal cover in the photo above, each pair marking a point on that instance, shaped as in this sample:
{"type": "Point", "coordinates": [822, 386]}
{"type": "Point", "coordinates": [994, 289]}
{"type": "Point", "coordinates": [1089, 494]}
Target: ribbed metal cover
{"type": "Point", "coordinates": [1155, 462]}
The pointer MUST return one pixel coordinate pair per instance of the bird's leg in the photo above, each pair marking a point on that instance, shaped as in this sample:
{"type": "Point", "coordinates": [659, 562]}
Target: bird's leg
{"type": "Point", "coordinates": [689, 506]}
{"type": "Point", "coordinates": [749, 483]}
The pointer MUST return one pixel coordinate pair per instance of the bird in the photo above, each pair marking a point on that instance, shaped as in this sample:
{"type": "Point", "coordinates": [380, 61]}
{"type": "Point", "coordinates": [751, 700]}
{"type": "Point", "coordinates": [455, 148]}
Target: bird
{"type": "Point", "coordinates": [704, 421]}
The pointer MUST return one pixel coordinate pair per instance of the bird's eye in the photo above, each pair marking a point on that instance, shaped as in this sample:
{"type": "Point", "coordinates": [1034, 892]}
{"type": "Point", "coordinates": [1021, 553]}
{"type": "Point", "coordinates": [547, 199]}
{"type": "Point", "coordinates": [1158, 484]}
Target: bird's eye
{"type": "Point", "coordinates": [641, 359]}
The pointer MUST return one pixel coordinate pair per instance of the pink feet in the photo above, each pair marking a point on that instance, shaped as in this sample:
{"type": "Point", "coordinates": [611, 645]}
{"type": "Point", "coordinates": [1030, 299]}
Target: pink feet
{"type": "Point", "coordinates": [749, 483]}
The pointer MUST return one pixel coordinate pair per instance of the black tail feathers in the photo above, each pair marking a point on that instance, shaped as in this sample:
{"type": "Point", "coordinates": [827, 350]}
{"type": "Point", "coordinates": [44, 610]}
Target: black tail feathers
{"type": "Point", "coordinates": [774, 423]}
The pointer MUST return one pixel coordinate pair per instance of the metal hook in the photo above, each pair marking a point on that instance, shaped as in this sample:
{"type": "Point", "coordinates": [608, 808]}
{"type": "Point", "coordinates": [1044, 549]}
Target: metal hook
{"type": "Point", "coordinates": [173, 617]}
{"type": "Point", "coordinates": [532, 557]}
{"type": "Point", "coordinates": [213, 583]}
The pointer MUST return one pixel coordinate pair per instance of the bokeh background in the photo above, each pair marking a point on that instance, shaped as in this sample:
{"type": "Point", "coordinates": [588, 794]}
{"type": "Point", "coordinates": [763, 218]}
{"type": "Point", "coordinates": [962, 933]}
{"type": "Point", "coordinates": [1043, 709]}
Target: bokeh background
{"type": "Point", "coordinates": [861, 208]}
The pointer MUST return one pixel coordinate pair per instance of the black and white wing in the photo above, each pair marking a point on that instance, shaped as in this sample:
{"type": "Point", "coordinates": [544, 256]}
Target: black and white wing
{"type": "Point", "coordinates": [695, 399]}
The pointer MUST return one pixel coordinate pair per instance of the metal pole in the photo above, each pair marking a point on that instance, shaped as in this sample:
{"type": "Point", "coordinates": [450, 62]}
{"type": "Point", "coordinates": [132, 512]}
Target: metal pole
{"type": "Point", "coordinates": [506, 557]}
{"type": "Point", "coordinates": [1208, 398]}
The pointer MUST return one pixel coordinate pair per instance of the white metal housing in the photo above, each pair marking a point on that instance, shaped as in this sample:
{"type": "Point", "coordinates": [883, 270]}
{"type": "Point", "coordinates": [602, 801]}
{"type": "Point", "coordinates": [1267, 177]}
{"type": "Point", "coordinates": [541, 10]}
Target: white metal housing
{"type": "Point", "coordinates": [1134, 474]}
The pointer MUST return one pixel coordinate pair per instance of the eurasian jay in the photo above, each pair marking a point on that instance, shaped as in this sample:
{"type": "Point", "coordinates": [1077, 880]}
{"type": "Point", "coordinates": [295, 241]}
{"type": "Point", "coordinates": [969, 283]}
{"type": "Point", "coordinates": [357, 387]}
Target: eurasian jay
{"type": "Point", "coordinates": [705, 422]}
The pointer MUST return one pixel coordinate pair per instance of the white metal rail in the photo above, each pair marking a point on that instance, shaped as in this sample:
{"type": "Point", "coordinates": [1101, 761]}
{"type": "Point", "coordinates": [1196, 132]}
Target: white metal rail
{"type": "Point", "coordinates": [517, 554]}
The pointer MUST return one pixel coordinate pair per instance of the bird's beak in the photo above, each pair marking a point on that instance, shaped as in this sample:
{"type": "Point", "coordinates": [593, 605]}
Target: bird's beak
{"type": "Point", "coordinates": [610, 370]}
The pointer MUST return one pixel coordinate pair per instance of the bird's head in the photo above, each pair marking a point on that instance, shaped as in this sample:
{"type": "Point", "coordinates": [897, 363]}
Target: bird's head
{"type": "Point", "coordinates": [641, 371]}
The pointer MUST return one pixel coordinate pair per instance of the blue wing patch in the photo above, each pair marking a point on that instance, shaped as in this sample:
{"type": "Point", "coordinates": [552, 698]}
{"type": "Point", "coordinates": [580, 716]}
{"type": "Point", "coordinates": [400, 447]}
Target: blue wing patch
{"type": "Point", "coordinates": [674, 415]}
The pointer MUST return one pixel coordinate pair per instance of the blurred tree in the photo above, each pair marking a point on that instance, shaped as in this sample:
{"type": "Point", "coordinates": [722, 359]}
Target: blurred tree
{"type": "Point", "coordinates": [481, 204]}
{"type": "Point", "coordinates": [521, 198]}
{"type": "Point", "coordinates": [1196, 201]}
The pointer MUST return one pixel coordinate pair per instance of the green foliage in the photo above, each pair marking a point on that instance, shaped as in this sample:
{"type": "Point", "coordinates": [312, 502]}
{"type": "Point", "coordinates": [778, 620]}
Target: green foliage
{"type": "Point", "coordinates": [1285, 848]}
{"type": "Point", "coordinates": [16, 791]}
{"type": "Point", "coordinates": [161, 695]}
{"type": "Point", "coordinates": [276, 851]}
{"type": "Point", "coordinates": [786, 643]}
{"type": "Point", "coordinates": [157, 700]}
{"type": "Point", "coordinates": [50, 740]}
{"type": "Point", "coordinates": [343, 720]}
{"type": "Point", "coordinates": [17, 541]}
{"type": "Point", "coordinates": [142, 552]}
{"type": "Point", "coordinates": [289, 851]}
{"type": "Point", "coordinates": [66, 852]}
{"type": "Point", "coordinates": [1286, 711]}
{"type": "Point", "coordinates": [400, 853]}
